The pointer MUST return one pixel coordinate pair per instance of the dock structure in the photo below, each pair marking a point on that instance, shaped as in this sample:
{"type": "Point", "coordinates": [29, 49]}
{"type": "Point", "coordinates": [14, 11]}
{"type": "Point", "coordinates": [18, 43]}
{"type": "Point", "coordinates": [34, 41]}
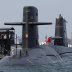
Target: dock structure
{"type": "Point", "coordinates": [6, 40]}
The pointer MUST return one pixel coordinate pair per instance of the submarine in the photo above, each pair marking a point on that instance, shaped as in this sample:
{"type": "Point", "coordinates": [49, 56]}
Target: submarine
{"type": "Point", "coordinates": [29, 28]}
{"type": "Point", "coordinates": [31, 53]}
{"type": "Point", "coordinates": [60, 43]}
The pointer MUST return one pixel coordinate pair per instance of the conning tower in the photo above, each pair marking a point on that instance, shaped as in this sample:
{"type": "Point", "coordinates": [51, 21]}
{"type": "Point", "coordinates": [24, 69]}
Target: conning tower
{"type": "Point", "coordinates": [29, 27]}
{"type": "Point", "coordinates": [60, 32]}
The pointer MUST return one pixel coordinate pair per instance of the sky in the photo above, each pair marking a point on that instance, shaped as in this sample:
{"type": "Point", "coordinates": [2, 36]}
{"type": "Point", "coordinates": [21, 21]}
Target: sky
{"type": "Point", "coordinates": [48, 11]}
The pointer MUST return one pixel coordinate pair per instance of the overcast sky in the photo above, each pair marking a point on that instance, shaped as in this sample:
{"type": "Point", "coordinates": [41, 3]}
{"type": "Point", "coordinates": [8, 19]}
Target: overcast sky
{"type": "Point", "coordinates": [49, 10]}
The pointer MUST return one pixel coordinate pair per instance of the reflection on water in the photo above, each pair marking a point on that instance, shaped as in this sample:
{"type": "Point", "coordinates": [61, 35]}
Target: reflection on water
{"type": "Point", "coordinates": [65, 66]}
